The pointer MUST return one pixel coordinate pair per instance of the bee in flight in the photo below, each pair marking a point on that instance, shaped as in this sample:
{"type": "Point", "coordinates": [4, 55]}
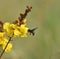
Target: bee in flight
{"type": "Point", "coordinates": [32, 31]}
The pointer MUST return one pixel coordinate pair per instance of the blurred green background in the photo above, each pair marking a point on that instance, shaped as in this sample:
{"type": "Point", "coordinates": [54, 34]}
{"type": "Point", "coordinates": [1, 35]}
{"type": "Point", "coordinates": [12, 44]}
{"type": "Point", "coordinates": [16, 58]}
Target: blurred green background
{"type": "Point", "coordinates": [45, 15]}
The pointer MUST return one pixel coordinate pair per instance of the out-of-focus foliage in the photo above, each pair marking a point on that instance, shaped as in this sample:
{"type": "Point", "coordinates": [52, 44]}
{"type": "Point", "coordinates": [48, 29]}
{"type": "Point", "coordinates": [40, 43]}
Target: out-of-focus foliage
{"type": "Point", "coordinates": [46, 16]}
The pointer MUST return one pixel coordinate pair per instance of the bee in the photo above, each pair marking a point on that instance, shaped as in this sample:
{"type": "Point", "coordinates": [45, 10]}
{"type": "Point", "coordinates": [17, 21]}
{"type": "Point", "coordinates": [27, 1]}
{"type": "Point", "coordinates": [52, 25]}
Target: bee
{"type": "Point", "coordinates": [32, 31]}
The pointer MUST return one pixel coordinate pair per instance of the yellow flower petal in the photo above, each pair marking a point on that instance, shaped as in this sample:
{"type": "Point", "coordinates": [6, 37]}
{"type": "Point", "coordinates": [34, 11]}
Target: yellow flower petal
{"type": "Point", "coordinates": [16, 32]}
{"type": "Point", "coordinates": [1, 42]}
{"type": "Point", "coordinates": [2, 34]}
{"type": "Point", "coordinates": [2, 37]}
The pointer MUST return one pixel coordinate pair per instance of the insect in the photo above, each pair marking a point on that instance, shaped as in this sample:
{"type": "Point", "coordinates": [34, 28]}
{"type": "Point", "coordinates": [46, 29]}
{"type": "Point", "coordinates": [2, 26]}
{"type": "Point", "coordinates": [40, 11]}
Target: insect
{"type": "Point", "coordinates": [31, 31]}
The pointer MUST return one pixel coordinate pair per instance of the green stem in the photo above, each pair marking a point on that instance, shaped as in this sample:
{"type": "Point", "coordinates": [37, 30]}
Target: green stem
{"type": "Point", "coordinates": [5, 47]}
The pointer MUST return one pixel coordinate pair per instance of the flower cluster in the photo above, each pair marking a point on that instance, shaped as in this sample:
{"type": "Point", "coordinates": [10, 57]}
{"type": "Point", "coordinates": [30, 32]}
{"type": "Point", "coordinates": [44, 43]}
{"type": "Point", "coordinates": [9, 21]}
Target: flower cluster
{"type": "Point", "coordinates": [3, 39]}
{"type": "Point", "coordinates": [14, 29]}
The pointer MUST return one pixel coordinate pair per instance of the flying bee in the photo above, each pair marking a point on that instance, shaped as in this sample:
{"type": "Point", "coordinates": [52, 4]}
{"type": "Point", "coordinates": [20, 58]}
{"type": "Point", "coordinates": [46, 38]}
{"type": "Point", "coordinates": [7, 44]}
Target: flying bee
{"type": "Point", "coordinates": [31, 31]}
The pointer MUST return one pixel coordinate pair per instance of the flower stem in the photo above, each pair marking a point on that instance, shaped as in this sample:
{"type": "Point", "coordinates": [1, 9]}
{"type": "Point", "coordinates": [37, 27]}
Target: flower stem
{"type": "Point", "coordinates": [5, 47]}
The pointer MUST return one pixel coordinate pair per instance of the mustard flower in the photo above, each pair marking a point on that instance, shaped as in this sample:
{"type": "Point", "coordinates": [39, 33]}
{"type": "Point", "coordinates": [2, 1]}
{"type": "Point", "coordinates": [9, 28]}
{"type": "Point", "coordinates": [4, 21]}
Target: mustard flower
{"type": "Point", "coordinates": [2, 37]}
{"type": "Point", "coordinates": [9, 46]}
{"type": "Point", "coordinates": [3, 42]}
{"type": "Point", "coordinates": [14, 30]}
{"type": "Point", "coordinates": [7, 27]}
{"type": "Point", "coordinates": [10, 29]}
{"type": "Point", "coordinates": [23, 30]}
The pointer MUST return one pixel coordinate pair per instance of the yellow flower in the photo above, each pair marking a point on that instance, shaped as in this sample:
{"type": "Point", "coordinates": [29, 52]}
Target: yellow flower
{"type": "Point", "coordinates": [9, 28]}
{"type": "Point", "coordinates": [23, 30]}
{"type": "Point", "coordinates": [9, 46]}
{"type": "Point", "coordinates": [2, 34]}
{"type": "Point", "coordinates": [14, 30]}
{"type": "Point", "coordinates": [3, 42]}
{"type": "Point", "coordinates": [2, 37]}
{"type": "Point", "coordinates": [6, 26]}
